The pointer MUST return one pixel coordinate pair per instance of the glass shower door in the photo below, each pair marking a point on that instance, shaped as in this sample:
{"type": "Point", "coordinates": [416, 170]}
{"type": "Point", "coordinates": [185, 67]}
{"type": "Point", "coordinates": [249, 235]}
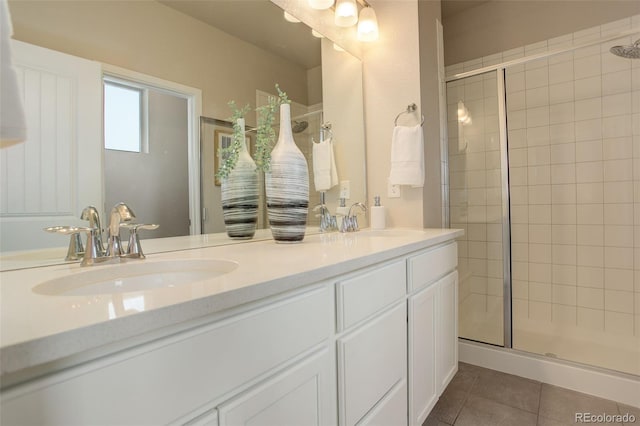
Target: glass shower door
{"type": "Point", "coordinates": [476, 169]}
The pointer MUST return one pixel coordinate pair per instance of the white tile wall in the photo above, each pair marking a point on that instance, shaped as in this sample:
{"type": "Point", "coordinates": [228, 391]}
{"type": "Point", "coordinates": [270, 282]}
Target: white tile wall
{"type": "Point", "coordinates": [574, 173]}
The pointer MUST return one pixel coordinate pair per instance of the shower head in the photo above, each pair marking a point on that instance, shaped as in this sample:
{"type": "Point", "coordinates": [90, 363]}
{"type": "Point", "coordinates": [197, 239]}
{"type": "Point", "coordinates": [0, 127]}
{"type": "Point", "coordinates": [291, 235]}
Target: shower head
{"type": "Point", "coordinates": [299, 126]}
{"type": "Point", "coordinates": [631, 52]}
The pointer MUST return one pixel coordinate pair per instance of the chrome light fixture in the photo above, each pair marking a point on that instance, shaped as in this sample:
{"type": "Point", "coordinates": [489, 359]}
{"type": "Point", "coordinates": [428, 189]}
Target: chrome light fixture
{"type": "Point", "coordinates": [346, 13]}
{"type": "Point", "coordinates": [320, 4]}
{"type": "Point", "coordinates": [338, 48]}
{"type": "Point", "coordinates": [368, 24]}
{"type": "Point", "coordinates": [290, 18]}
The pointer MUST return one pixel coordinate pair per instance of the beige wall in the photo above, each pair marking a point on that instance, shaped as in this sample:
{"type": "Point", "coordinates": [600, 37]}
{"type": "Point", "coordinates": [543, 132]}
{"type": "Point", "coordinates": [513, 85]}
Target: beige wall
{"type": "Point", "coordinates": [314, 85]}
{"type": "Point", "coordinates": [153, 39]}
{"type": "Point", "coordinates": [344, 109]}
{"type": "Point", "coordinates": [496, 26]}
{"type": "Point", "coordinates": [391, 82]}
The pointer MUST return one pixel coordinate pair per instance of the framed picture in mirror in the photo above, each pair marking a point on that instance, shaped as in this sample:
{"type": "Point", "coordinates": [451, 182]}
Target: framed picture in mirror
{"type": "Point", "coordinates": [217, 134]}
{"type": "Point", "coordinates": [223, 138]}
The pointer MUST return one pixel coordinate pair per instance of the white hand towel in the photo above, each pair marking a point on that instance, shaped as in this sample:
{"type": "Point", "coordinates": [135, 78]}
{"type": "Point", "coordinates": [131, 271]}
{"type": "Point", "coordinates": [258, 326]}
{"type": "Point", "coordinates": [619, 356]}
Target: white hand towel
{"type": "Point", "coordinates": [13, 126]}
{"type": "Point", "coordinates": [334, 169]}
{"type": "Point", "coordinates": [325, 174]}
{"type": "Point", "coordinates": [407, 156]}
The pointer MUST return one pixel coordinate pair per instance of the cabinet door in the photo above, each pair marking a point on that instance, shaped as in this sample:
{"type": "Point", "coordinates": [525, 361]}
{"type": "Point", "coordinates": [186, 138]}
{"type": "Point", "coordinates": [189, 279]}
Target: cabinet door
{"type": "Point", "coordinates": [371, 360]}
{"type": "Point", "coordinates": [447, 330]}
{"type": "Point", "coordinates": [423, 385]}
{"type": "Point", "coordinates": [302, 395]}
{"type": "Point", "coordinates": [392, 410]}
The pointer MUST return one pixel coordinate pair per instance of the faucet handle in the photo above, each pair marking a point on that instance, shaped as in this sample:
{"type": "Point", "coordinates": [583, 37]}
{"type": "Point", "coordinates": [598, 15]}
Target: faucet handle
{"type": "Point", "coordinates": [75, 250]}
{"type": "Point", "coordinates": [134, 249]}
{"type": "Point", "coordinates": [91, 253]}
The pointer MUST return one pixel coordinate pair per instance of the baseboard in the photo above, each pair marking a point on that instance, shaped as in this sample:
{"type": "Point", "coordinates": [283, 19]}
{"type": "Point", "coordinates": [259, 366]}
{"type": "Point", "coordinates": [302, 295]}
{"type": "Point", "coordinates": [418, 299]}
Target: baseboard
{"type": "Point", "coordinates": [620, 387]}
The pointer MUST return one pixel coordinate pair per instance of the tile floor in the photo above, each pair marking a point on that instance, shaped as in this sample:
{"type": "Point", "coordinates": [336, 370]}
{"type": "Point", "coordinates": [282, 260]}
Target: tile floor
{"type": "Point", "coordinates": [481, 397]}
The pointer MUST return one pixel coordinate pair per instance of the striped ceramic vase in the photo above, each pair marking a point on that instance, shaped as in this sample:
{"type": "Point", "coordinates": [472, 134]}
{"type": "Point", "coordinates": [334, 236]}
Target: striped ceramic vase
{"type": "Point", "coordinates": [240, 196]}
{"type": "Point", "coordinates": [287, 185]}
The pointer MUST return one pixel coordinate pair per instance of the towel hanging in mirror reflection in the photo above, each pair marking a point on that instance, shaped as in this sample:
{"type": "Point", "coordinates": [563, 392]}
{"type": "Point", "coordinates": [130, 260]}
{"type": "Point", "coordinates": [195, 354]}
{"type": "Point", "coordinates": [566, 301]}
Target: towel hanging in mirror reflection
{"type": "Point", "coordinates": [325, 172]}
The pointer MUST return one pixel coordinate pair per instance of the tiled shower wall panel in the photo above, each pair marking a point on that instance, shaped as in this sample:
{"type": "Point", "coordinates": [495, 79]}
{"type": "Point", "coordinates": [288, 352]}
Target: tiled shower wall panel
{"type": "Point", "coordinates": [573, 140]}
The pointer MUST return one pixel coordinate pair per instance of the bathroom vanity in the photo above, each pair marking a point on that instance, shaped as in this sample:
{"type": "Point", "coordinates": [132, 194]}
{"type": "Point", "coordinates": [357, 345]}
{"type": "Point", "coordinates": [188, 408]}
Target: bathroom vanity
{"type": "Point", "coordinates": [344, 329]}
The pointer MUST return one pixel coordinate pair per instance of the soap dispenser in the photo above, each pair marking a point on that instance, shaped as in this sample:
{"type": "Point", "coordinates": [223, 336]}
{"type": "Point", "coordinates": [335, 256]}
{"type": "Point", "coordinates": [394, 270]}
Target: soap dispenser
{"type": "Point", "coordinates": [377, 214]}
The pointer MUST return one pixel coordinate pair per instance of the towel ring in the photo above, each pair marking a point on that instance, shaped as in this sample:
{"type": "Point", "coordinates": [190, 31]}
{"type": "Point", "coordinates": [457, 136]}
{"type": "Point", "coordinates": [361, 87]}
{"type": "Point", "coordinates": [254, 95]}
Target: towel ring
{"type": "Point", "coordinates": [325, 127]}
{"type": "Point", "coordinates": [410, 108]}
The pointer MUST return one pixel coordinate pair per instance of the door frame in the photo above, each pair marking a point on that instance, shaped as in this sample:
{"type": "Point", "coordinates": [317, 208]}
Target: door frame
{"type": "Point", "coordinates": [193, 97]}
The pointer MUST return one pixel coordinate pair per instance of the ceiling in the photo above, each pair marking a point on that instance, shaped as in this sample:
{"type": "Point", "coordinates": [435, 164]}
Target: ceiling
{"type": "Point", "coordinates": [453, 7]}
{"type": "Point", "coordinates": [261, 23]}
{"type": "Point", "coordinates": [258, 22]}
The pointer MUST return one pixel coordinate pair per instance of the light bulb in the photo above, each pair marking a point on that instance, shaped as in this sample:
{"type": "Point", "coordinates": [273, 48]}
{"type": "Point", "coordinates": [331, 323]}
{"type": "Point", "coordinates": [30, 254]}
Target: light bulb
{"type": "Point", "coordinates": [316, 34]}
{"type": "Point", "coordinates": [320, 4]}
{"type": "Point", "coordinates": [368, 25]}
{"type": "Point", "coordinates": [346, 13]}
{"type": "Point", "coordinates": [290, 18]}
{"type": "Point", "coordinates": [337, 48]}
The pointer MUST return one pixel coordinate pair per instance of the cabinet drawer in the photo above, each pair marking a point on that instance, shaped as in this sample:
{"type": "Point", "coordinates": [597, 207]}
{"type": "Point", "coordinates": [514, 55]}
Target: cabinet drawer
{"type": "Point", "coordinates": [369, 292]}
{"type": "Point", "coordinates": [371, 360]}
{"type": "Point", "coordinates": [430, 265]}
{"type": "Point", "coordinates": [163, 381]}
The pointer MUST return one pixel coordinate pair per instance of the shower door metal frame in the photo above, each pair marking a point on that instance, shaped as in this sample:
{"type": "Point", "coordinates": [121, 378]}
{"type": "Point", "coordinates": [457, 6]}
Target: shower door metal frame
{"type": "Point", "coordinates": [507, 324]}
{"type": "Point", "coordinates": [500, 70]}
{"type": "Point", "coordinates": [504, 186]}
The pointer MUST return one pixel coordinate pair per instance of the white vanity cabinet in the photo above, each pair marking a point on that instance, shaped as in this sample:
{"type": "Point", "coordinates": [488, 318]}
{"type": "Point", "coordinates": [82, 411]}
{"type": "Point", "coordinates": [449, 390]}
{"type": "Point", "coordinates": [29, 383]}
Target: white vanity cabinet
{"type": "Point", "coordinates": [374, 343]}
{"type": "Point", "coordinates": [433, 340]}
{"type": "Point", "coordinates": [372, 346]}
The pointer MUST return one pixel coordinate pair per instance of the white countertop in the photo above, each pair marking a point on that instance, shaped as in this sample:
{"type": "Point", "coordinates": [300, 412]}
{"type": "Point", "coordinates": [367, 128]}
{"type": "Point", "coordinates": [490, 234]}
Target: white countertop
{"type": "Point", "coordinates": [36, 330]}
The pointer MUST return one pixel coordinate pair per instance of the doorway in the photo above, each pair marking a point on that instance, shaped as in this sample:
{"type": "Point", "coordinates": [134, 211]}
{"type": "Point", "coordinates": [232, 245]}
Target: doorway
{"type": "Point", "coordinates": [146, 155]}
{"type": "Point", "coordinates": [165, 176]}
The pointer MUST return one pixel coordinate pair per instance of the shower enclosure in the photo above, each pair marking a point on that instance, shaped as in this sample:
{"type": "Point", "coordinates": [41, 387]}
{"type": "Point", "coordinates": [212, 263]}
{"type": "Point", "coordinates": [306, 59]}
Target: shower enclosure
{"type": "Point", "coordinates": [544, 177]}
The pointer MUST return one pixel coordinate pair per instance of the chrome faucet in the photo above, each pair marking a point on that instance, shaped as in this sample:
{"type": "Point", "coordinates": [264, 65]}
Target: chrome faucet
{"type": "Point", "coordinates": [119, 213]}
{"type": "Point", "coordinates": [350, 222]}
{"type": "Point", "coordinates": [120, 216]}
{"type": "Point", "coordinates": [328, 222]}
{"type": "Point", "coordinates": [90, 214]}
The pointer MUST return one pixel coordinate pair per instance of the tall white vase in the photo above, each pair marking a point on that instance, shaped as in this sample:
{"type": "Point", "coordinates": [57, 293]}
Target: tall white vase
{"type": "Point", "coordinates": [240, 195]}
{"type": "Point", "coordinates": [287, 185]}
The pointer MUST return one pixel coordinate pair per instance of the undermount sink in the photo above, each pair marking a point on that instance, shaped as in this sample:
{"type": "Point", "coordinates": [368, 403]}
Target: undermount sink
{"type": "Point", "coordinates": [135, 276]}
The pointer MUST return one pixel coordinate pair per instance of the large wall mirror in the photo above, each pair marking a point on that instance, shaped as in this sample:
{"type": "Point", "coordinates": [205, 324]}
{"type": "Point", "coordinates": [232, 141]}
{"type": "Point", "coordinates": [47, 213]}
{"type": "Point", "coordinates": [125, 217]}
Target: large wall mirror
{"type": "Point", "coordinates": [172, 51]}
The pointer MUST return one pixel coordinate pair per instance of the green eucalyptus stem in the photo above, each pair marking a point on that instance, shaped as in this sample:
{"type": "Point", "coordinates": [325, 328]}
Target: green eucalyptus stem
{"type": "Point", "coordinates": [282, 96]}
{"type": "Point", "coordinates": [229, 155]}
{"type": "Point", "coordinates": [266, 134]}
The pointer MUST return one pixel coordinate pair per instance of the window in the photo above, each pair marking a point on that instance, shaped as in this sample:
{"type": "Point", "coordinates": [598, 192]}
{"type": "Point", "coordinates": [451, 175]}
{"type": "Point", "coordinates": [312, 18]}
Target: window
{"type": "Point", "coordinates": [124, 112]}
